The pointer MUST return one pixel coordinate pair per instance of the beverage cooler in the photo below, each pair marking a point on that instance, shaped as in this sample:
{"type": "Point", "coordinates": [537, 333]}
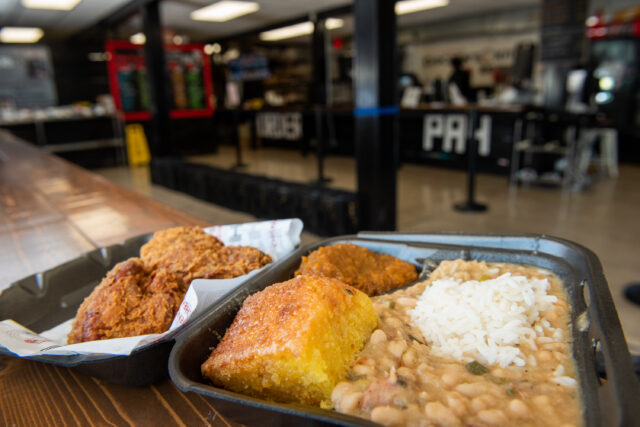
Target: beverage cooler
{"type": "Point", "coordinates": [188, 74]}
{"type": "Point", "coordinates": [614, 53]}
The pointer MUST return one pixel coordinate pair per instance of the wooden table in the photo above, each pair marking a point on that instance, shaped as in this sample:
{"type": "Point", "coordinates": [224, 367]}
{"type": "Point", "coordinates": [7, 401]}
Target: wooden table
{"type": "Point", "coordinates": [52, 211]}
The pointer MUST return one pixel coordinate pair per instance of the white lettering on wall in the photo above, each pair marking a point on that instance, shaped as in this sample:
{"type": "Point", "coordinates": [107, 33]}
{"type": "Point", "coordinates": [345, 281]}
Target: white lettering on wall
{"type": "Point", "coordinates": [455, 133]}
{"type": "Point", "coordinates": [451, 131]}
{"type": "Point", "coordinates": [483, 136]}
{"type": "Point", "coordinates": [433, 127]}
{"type": "Point", "coordinates": [279, 126]}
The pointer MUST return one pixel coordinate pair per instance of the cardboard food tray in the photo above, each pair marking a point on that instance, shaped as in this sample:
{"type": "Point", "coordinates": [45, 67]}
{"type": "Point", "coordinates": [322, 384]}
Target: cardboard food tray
{"type": "Point", "coordinates": [44, 300]}
{"type": "Point", "coordinates": [612, 403]}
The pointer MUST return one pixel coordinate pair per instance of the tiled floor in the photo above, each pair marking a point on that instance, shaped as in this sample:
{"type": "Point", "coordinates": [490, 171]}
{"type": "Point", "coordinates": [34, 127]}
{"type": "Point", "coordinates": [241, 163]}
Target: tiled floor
{"type": "Point", "coordinates": [605, 218]}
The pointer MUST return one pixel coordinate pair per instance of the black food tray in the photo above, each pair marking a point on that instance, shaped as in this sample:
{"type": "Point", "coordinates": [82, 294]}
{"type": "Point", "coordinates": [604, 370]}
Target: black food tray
{"type": "Point", "coordinates": [614, 403]}
{"type": "Point", "coordinates": [46, 299]}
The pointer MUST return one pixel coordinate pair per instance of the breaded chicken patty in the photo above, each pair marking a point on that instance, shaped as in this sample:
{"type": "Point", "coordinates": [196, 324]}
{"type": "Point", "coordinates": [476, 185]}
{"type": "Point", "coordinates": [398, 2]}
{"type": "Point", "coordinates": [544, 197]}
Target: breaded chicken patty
{"type": "Point", "coordinates": [359, 267]}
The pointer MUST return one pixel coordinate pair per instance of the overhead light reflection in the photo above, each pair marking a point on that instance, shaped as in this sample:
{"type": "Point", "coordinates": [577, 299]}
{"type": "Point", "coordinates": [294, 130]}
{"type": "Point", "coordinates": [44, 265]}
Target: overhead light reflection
{"type": "Point", "coordinates": [138, 38]}
{"type": "Point", "coordinates": [603, 97]}
{"type": "Point", "coordinates": [298, 30]}
{"type": "Point", "coordinates": [410, 6]}
{"type": "Point", "coordinates": [606, 83]}
{"type": "Point", "coordinates": [51, 4]}
{"type": "Point", "coordinates": [224, 11]}
{"type": "Point", "coordinates": [20, 34]}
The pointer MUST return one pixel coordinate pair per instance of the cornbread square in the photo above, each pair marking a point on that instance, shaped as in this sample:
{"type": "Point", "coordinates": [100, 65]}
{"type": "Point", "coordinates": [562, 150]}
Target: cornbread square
{"type": "Point", "coordinates": [293, 341]}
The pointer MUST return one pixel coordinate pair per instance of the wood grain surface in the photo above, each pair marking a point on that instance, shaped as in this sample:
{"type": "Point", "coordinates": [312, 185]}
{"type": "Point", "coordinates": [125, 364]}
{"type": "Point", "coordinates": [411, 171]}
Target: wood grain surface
{"type": "Point", "coordinates": [50, 212]}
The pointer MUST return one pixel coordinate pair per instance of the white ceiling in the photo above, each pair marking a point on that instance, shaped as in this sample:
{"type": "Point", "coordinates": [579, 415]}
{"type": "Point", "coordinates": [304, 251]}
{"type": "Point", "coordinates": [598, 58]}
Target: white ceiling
{"type": "Point", "coordinates": [175, 15]}
{"type": "Point", "coordinates": [62, 23]}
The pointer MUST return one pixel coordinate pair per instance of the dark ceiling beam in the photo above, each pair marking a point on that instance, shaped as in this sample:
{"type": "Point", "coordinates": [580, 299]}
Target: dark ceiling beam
{"type": "Point", "coordinates": [125, 12]}
{"type": "Point", "coordinates": [327, 13]}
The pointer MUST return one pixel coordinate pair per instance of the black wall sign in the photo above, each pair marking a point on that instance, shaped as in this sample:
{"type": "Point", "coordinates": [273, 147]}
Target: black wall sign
{"type": "Point", "coordinates": [563, 29]}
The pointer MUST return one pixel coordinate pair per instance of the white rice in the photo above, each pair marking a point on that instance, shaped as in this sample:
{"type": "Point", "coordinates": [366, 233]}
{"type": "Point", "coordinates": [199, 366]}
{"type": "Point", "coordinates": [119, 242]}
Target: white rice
{"type": "Point", "coordinates": [483, 321]}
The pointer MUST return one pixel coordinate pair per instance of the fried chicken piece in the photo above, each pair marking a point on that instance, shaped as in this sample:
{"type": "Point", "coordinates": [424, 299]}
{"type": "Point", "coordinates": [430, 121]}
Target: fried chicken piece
{"type": "Point", "coordinates": [130, 301]}
{"type": "Point", "coordinates": [142, 295]}
{"type": "Point", "coordinates": [177, 248]}
{"type": "Point", "coordinates": [359, 267]}
{"type": "Point", "coordinates": [234, 261]}
{"type": "Point", "coordinates": [194, 254]}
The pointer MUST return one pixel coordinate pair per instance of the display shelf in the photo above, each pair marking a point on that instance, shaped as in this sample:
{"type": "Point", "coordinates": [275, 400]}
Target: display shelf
{"type": "Point", "coordinates": [189, 73]}
{"type": "Point", "coordinates": [69, 134]}
{"type": "Point", "coordinates": [83, 145]}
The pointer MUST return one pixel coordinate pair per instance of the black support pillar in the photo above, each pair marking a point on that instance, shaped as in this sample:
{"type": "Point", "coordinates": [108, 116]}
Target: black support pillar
{"type": "Point", "coordinates": [159, 141]}
{"type": "Point", "coordinates": [319, 51]}
{"type": "Point", "coordinates": [319, 91]}
{"type": "Point", "coordinates": [375, 112]}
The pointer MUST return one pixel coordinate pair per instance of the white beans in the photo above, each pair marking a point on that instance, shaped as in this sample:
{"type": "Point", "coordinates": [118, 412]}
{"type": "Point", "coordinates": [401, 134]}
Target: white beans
{"type": "Point", "coordinates": [518, 408]}
{"type": "Point", "coordinates": [484, 401]}
{"type": "Point", "coordinates": [397, 347]}
{"type": "Point", "coordinates": [457, 403]}
{"type": "Point", "coordinates": [472, 389]}
{"type": "Point", "coordinates": [340, 390]}
{"type": "Point", "coordinates": [493, 417]}
{"type": "Point", "coordinates": [407, 302]}
{"type": "Point", "coordinates": [410, 357]}
{"type": "Point", "coordinates": [387, 415]}
{"type": "Point", "coordinates": [428, 378]}
{"type": "Point", "coordinates": [377, 337]}
{"type": "Point", "coordinates": [394, 322]}
{"type": "Point", "coordinates": [423, 368]}
{"type": "Point", "coordinates": [367, 361]}
{"type": "Point", "coordinates": [544, 356]}
{"type": "Point", "coordinates": [363, 370]}
{"type": "Point", "coordinates": [406, 374]}
{"type": "Point", "coordinates": [451, 378]}
{"type": "Point", "coordinates": [438, 413]}
{"type": "Point", "coordinates": [543, 404]}
{"type": "Point", "coordinates": [541, 401]}
{"type": "Point", "coordinates": [349, 402]}
{"type": "Point", "coordinates": [386, 363]}
{"type": "Point", "coordinates": [499, 372]}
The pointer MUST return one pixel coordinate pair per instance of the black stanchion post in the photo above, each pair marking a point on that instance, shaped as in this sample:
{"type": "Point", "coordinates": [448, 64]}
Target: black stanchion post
{"type": "Point", "coordinates": [320, 146]}
{"type": "Point", "coordinates": [236, 137]}
{"type": "Point", "coordinates": [472, 154]}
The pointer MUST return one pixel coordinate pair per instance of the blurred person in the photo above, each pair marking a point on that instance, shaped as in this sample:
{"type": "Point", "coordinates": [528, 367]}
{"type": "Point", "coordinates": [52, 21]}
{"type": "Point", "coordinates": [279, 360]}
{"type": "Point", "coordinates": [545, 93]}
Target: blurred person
{"type": "Point", "coordinates": [461, 78]}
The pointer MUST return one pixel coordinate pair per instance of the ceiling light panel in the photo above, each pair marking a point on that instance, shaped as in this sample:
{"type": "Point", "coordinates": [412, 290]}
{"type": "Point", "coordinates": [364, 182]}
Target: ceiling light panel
{"type": "Point", "coordinates": [20, 34]}
{"type": "Point", "coordinates": [287, 32]}
{"type": "Point", "coordinates": [410, 6]}
{"type": "Point", "coordinates": [298, 30]}
{"type": "Point", "coordinates": [333, 23]}
{"type": "Point", "coordinates": [51, 4]}
{"type": "Point", "coordinates": [225, 10]}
